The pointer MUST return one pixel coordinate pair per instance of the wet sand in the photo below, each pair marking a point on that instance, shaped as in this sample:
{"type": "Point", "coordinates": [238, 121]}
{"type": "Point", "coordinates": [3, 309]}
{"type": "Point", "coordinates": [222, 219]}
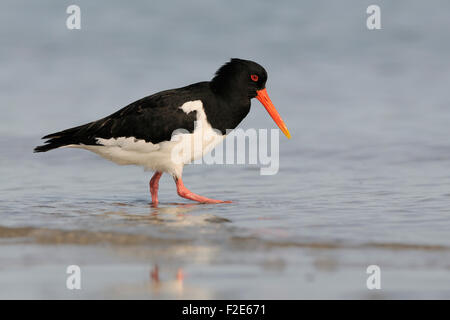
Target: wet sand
{"type": "Point", "coordinates": [129, 266]}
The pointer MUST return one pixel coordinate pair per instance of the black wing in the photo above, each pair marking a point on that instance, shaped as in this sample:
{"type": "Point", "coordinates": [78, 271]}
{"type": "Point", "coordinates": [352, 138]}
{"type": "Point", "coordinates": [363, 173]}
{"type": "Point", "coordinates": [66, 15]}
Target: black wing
{"type": "Point", "coordinates": [153, 119]}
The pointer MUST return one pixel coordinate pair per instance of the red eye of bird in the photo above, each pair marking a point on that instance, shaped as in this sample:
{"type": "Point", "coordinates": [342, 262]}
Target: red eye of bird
{"type": "Point", "coordinates": [254, 77]}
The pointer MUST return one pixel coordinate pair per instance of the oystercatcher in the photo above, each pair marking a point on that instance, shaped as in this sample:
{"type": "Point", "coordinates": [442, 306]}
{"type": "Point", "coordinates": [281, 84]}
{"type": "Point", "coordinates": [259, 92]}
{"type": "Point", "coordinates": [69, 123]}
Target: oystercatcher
{"type": "Point", "coordinates": [149, 130]}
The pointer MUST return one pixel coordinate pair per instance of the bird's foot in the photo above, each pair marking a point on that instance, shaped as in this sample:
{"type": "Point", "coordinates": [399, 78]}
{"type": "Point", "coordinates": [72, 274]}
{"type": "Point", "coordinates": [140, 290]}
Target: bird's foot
{"type": "Point", "coordinates": [195, 197]}
{"type": "Point", "coordinates": [185, 193]}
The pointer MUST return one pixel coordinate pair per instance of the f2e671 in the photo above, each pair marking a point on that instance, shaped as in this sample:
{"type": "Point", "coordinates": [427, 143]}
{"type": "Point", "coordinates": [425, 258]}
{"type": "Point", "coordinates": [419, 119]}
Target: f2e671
{"type": "Point", "coordinates": [245, 309]}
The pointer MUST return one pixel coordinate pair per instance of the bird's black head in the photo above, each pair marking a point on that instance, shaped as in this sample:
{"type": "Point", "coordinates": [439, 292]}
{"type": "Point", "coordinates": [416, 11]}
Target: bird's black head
{"type": "Point", "coordinates": [239, 78]}
{"type": "Point", "coordinates": [238, 81]}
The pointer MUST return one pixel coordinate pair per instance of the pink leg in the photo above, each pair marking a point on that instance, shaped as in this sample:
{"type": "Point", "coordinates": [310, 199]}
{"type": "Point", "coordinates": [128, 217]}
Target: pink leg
{"type": "Point", "coordinates": [185, 193]}
{"type": "Point", "coordinates": [154, 274]}
{"type": "Point", "coordinates": [180, 275]}
{"type": "Point", "coordinates": [154, 184]}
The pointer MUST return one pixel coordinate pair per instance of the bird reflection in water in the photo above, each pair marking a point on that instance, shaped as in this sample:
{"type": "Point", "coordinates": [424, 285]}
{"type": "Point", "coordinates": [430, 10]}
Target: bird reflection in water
{"type": "Point", "coordinates": [174, 285]}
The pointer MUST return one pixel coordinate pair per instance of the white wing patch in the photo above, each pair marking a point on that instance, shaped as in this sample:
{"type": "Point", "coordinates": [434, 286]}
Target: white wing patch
{"type": "Point", "coordinates": [196, 105]}
{"type": "Point", "coordinates": [194, 145]}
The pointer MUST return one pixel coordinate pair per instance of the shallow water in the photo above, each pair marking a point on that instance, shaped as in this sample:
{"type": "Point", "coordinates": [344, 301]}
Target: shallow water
{"type": "Point", "coordinates": [364, 180]}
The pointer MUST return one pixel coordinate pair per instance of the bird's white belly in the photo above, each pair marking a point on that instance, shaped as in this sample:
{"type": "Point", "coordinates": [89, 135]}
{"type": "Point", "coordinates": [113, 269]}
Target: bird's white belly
{"type": "Point", "coordinates": [166, 156]}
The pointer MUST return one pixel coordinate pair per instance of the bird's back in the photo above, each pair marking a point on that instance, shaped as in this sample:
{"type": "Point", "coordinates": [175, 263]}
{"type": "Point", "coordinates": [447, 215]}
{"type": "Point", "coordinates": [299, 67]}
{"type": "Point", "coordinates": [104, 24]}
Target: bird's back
{"type": "Point", "coordinates": [153, 119]}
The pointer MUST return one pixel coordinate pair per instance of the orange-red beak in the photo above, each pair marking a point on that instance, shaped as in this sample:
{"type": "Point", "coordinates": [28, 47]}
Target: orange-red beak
{"type": "Point", "coordinates": [263, 97]}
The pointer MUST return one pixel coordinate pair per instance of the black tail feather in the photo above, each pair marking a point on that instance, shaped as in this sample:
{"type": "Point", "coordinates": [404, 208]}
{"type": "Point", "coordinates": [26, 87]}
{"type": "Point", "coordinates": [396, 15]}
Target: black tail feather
{"type": "Point", "coordinates": [58, 139]}
{"type": "Point", "coordinates": [46, 147]}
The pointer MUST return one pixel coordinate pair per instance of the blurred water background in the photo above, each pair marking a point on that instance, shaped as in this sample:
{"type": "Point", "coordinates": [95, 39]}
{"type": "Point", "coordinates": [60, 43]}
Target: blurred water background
{"type": "Point", "coordinates": [364, 180]}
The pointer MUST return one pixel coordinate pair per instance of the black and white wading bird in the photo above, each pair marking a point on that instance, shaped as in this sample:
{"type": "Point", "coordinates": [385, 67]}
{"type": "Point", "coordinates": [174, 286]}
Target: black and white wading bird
{"type": "Point", "coordinates": [142, 132]}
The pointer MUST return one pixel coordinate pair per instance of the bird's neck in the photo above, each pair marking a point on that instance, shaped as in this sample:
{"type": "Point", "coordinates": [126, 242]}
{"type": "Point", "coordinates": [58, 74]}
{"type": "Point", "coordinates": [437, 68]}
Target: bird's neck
{"type": "Point", "coordinates": [230, 88]}
{"type": "Point", "coordinates": [231, 107]}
